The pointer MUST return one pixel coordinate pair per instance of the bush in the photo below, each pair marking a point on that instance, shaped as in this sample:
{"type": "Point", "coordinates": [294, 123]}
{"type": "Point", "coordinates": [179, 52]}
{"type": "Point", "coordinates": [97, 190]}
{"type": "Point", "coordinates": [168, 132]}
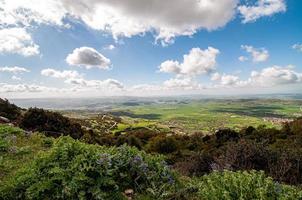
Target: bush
{"type": "Point", "coordinates": [163, 144]}
{"type": "Point", "coordinates": [296, 126]}
{"type": "Point", "coordinates": [75, 170]}
{"type": "Point", "coordinates": [225, 135]}
{"type": "Point", "coordinates": [195, 165]}
{"type": "Point", "coordinates": [242, 185]}
{"type": "Point", "coordinates": [8, 136]}
{"type": "Point", "coordinates": [130, 140]}
{"type": "Point", "coordinates": [51, 123]}
{"type": "Point", "coordinates": [243, 155]}
{"type": "Point", "coordinates": [8, 110]}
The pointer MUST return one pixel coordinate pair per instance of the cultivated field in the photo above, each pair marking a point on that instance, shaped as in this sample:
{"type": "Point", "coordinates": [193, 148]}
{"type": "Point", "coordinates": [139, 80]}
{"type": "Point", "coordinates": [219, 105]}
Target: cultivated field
{"type": "Point", "coordinates": [206, 115]}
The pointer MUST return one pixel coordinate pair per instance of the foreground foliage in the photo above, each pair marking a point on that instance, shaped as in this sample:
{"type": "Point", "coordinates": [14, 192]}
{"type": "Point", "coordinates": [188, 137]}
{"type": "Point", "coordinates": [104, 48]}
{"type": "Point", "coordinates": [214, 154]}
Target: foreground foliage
{"type": "Point", "coordinates": [74, 170]}
{"type": "Point", "coordinates": [242, 185]}
{"type": "Point", "coordinates": [70, 169]}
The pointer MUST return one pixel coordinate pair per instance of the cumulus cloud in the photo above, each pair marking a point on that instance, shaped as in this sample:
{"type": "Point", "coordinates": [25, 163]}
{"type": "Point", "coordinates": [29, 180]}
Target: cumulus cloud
{"type": "Point", "coordinates": [260, 9]}
{"type": "Point", "coordinates": [17, 41]}
{"type": "Point", "coordinates": [131, 17]}
{"type": "Point", "coordinates": [124, 18]}
{"type": "Point", "coordinates": [276, 75]}
{"type": "Point", "coordinates": [297, 47]}
{"type": "Point", "coordinates": [267, 77]}
{"type": "Point", "coordinates": [226, 79]}
{"type": "Point", "coordinates": [14, 70]}
{"type": "Point", "coordinates": [26, 12]}
{"type": "Point", "coordinates": [197, 62]}
{"type": "Point", "coordinates": [258, 54]}
{"type": "Point", "coordinates": [66, 74]}
{"type": "Point", "coordinates": [89, 58]}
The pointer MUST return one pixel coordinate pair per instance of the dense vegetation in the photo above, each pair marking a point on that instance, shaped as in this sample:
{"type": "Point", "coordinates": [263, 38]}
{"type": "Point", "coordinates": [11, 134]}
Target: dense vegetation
{"type": "Point", "coordinates": [64, 168]}
{"type": "Point", "coordinates": [74, 170]}
{"type": "Point", "coordinates": [8, 110]}
{"type": "Point", "coordinates": [277, 152]}
{"type": "Point", "coordinates": [51, 123]}
{"type": "Point", "coordinates": [229, 164]}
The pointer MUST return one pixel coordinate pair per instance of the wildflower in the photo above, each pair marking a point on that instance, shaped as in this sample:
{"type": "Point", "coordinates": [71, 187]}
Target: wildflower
{"type": "Point", "coordinates": [137, 160]}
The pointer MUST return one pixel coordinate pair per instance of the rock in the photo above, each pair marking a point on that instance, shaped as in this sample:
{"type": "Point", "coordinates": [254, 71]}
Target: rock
{"type": "Point", "coordinates": [129, 194]}
{"type": "Point", "coordinates": [4, 120]}
{"type": "Point", "coordinates": [27, 133]}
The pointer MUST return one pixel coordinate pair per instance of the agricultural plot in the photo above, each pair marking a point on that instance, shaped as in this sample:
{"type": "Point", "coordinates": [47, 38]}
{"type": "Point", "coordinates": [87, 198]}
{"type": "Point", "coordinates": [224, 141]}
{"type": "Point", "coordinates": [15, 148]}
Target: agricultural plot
{"type": "Point", "coordinates": [208, 115]}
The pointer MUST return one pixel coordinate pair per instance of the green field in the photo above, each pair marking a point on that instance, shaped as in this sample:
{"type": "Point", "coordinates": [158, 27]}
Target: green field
{"type": "Point", "coordinates": [208, 115]}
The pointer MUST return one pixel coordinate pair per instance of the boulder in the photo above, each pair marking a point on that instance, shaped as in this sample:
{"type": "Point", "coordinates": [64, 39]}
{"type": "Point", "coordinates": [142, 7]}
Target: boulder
{"type": "Point", "coordinates": [4, 120]}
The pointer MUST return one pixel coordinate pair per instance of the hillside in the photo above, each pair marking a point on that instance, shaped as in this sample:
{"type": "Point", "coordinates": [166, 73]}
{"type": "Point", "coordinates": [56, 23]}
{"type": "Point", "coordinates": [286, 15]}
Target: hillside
{"type": "Point", "coordinates": [45, 159]}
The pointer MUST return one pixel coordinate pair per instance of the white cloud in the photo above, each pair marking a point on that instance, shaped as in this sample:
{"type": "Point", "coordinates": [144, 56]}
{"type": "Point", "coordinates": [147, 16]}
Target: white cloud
{"type": "Point", "coordinates": [182, 84]}
{"type": "Point", "coordinates": [16, 78]}
{"type": "Point", "coordinates": [132, 17]}
{"type": "Point", "coordinates": [215, 76]}
{"type": "Point", "coordinates": [225, 79]}
{"type": "Point", "coordinates": [276, 75]}
{"type": "Point", "coordinates": [66, 74]}
{"type": "Point", "coordinates": [14, 70]}
{"type": "Point", "coordinates": [89, 58]}
{"type": "Point", "coordinates": [196, 62]}
{"type": "Point", "coordinates": [26, 12]}
{"type": "Point", "coordinates": [75, 79]}
{"type": "Point", "coordinates": [258, 54]}
{"type": "Point", "coordinates": [108, 84]}
{"type": "Point", "coordinates": [32, 88]}
{"type": "Point", "coordinates": [124, 18]}
{"type": "Point", "coordinates": [242, 58]}
{"type": "Point", "coordinates": [297, 47]}
{"type": "Point", "coordinates": [261, 9]}
{"type": "Point", "coordinates": [170, 66]}
{"type": "Point", "coordinates": [268, 77]}
{"type": "Point", "coordinates": [110, 47]}
{"type": "Point", "coordinates": [17, 41]}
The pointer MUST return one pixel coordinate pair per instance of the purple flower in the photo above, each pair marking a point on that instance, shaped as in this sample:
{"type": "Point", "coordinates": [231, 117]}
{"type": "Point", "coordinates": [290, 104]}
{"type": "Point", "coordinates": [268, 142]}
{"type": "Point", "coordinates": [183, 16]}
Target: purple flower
{"type": "Point", "coordinates": [137, 160]}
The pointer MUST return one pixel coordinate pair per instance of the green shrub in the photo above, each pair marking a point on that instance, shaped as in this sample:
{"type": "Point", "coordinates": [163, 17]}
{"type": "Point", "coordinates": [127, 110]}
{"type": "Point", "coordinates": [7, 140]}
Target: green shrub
{"type": "Point", "coordinates": [75, 170]}
{"type": "Point", "coordinates": [242, 185]}
{"type": "Point", "coordinates": [8, 110]}
{"type": "Point", "coordinates": [163, 144]}
{"type": "Point", "coordinates": [130, 140]}
{"type": "Point", "coordinates": [51, 123]}
{"type": "Point", "coordinates": [47, 142]}
{"type": "Point", "coordinates": [8, 136]}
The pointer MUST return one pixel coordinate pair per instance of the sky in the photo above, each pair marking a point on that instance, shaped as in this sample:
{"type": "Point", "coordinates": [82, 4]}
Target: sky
{"type": "Point", "coordinates": [96, 48]}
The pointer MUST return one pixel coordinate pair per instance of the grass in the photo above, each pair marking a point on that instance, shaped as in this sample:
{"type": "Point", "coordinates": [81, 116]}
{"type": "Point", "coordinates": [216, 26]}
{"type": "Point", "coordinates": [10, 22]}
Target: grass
{"type": "Point", "coordinates": [18, 148]}
{"type": "Point", "coordinates": [207, 116]}
{"type": "Point", "coordinates": [129, 123]}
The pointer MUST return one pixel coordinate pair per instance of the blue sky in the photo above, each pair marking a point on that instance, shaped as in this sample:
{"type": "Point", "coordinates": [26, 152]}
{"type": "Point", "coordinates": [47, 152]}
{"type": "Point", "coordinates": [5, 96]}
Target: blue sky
{"type": "Point", "coordinates": [267, 34]}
